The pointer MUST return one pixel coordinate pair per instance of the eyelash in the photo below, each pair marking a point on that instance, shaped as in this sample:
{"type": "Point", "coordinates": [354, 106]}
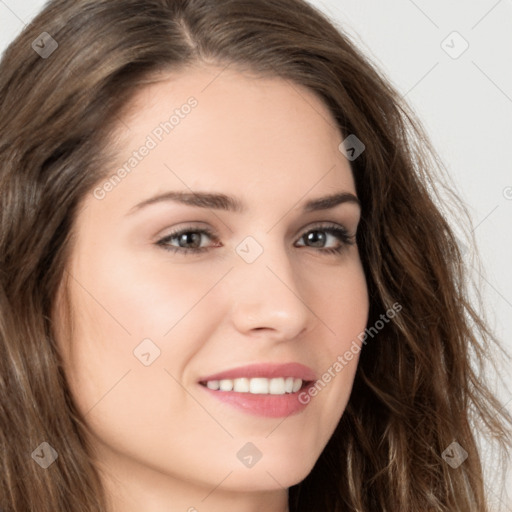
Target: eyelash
{"type": "Point", "coordinates": [338, 231]}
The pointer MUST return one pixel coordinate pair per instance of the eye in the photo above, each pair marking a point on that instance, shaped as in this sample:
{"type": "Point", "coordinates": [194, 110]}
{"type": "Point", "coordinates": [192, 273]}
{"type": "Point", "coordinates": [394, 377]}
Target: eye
{"type": "Point", "coordinates": [189, 240]}
{"type": "Point", "coordinates": [319, 236]}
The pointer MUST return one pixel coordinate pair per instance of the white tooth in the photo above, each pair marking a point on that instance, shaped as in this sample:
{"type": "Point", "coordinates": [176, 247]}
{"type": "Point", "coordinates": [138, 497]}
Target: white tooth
{"type": "Point", "coordinates": [213, 384]}
{"type": "Point", "coordinates": [276, 386]}
{"type": "Point", "coordinates": [288, 385]}
{"type": "Point", "coordinates": [241, 385]}
{"type": "Point", "coordinates": [259, 386]}
{"type": "Point", "coordinates": [297, 384]}
{"type": "Point", "coordinates": [226, 385]}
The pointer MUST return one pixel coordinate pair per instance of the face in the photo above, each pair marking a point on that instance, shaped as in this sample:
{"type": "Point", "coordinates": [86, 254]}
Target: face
{"type": "Point", "coordinates": [244, 280]}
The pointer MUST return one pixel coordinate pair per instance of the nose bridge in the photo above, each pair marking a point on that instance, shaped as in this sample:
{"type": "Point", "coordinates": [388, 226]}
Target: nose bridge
{"type": "Point", "coordinates": [268, 293]}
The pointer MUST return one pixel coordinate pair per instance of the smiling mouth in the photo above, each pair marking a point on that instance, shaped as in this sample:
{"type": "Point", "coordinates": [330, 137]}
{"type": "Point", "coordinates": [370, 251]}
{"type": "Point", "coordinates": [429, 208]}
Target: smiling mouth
{"type": "Point", "coordinates": [258, 385]}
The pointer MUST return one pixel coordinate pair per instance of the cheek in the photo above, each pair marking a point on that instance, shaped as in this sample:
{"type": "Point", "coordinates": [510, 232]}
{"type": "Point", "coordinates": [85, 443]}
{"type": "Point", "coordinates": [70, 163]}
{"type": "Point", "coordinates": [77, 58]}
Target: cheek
{"type": "Point", "coordinates": [142, 295]}
{"type": "Point", "coordinates": [344, 311]}
{"type": "Point", "coordinates": [115, 308]}
{"type": "Point", "coordinates": [343, 305]}
{"type": "Point", "coordinates": [126, 307]}
{"type": "Point", "coordinates": [126, 403]}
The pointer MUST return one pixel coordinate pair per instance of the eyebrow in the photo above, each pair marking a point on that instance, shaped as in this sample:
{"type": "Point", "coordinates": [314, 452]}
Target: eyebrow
{"type": "Point", "coordinates": [219, 201]}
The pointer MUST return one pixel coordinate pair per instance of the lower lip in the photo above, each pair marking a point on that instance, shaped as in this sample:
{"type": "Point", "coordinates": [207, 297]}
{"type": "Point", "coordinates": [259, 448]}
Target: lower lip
{"type": "Point", "coordinates": [269, 406]}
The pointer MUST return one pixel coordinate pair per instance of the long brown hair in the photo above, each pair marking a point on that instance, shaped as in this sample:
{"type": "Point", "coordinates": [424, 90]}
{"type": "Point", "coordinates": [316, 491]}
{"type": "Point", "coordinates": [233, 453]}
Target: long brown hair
{"type": "Point", "coordinates": [418, 386]}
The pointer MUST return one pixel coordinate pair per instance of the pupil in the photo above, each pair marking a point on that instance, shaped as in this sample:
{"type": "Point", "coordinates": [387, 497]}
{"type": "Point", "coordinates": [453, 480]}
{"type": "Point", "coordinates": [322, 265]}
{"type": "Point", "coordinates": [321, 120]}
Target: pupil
{"type": "Point", "coordinates": [316, 237]}
{"type": "Point", "coordinates": [191, 238]}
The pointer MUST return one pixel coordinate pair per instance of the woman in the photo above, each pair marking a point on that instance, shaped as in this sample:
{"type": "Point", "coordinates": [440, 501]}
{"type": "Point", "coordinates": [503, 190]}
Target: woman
{"type": "Point", "coordinates": [224, 282]}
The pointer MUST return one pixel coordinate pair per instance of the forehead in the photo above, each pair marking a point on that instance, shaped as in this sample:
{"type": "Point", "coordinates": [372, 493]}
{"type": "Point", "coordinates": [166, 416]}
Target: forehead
{"type": "Point", "coordinates": [218, 128]}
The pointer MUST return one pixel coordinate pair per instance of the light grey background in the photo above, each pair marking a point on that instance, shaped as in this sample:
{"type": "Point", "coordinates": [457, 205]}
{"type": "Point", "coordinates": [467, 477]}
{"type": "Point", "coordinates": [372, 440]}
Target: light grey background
{"type": "Point", "coordinates": [465, 103]}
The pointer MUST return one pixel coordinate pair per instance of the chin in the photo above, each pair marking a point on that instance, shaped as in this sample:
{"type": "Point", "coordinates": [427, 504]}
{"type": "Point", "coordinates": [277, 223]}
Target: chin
{"type": "Point", "coordinates": [273, 472]}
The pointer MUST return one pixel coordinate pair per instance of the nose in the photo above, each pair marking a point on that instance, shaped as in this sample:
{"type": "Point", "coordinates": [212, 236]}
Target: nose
{"type": "Point", "coordinates": [267, 296]}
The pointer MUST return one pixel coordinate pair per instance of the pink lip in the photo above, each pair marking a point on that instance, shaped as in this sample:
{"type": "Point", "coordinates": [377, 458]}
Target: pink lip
{"type": "Point", "coordinates": [270, 406]}
{"type": "Point", "coordinates": [295, 370]}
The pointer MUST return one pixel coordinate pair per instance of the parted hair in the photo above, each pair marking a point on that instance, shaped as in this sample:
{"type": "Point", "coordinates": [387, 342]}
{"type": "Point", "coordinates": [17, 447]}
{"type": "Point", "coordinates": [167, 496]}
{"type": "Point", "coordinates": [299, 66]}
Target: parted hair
{"type": "Point", "coordinates": [419, 384]}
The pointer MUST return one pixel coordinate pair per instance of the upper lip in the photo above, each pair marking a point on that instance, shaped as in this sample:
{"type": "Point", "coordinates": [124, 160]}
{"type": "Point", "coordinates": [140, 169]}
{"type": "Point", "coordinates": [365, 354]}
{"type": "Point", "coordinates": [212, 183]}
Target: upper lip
{"type": "Point", "coordinates": [268, 370]}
